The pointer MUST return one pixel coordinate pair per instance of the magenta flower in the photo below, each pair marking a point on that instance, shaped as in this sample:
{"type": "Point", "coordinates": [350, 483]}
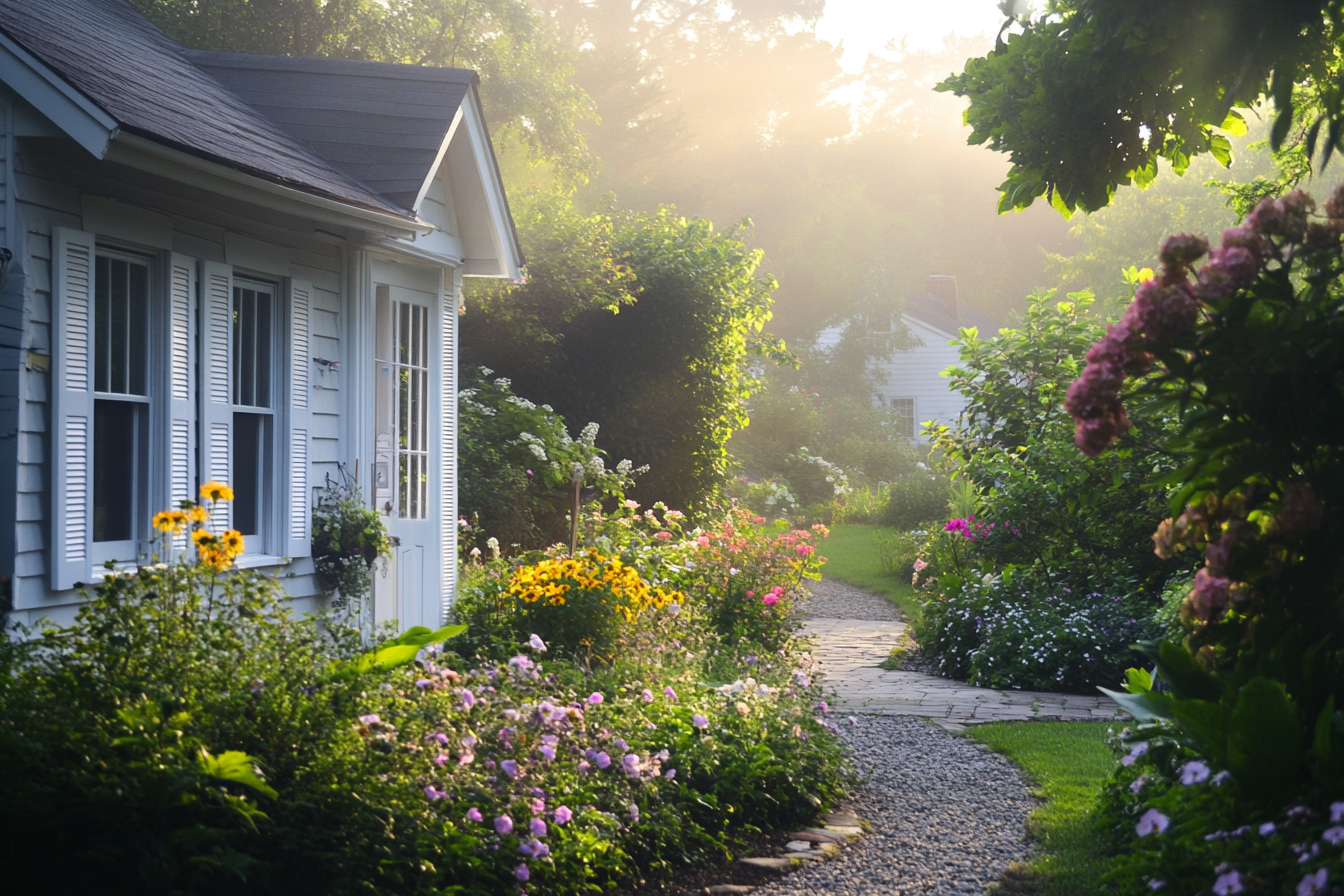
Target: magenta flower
{"type": "Point", "coordinates": [503, 825]}
{"type": "Point", "coordinates": [959, 526]}
{"type": "Point", "coordinates": [474, 815]}
{"type": "Point", "coordinates": [537, 827]}
{"type": "Point", "coordinates": [770, 600]}
{"type": "Point", "coordinates": [804, 549]}
{"type": "Point", "coordinates": [538, 805]}
{"type": "Point", "coordinates": [563, 815]}
{"type": "Point", "coordinates": [441, 759]}
{"type": "Point", "coordinates": [602, 760]}
{"type": "Point", "coordinates": [522, 872]}
{"type": "Point", "coordinates": [1227, 884]}
{"type": "Point", "coordinates": [594, 698]}
{"type": "Point", "coordinates": [646, 695]}
{"type": "Point", "coordinates": [1152, 822]}
{"type": "Point", "coordinates": [434, 793]}
{"type": "Point", "coordinates": [1313, 883]}
{"type": "Point", "coordinates": [699, 721]}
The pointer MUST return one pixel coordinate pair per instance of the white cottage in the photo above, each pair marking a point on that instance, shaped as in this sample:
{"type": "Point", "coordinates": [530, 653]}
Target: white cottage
{"type": "Point", "coordinates": [914, 387]}
{"type": "Point", "coordinates": [229, 267]}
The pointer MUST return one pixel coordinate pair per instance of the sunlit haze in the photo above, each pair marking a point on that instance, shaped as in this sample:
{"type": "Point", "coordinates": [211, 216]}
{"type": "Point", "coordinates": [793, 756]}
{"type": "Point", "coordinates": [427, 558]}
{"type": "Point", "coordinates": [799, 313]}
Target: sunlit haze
{"type": "Point", "coordinates": [866, 26]}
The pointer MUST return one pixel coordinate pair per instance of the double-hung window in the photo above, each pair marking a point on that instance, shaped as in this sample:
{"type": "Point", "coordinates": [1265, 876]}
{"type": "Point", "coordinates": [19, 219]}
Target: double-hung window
{"type": "Point", "coordinates": [903, 412]}
{"type": "Point", "coordinates": [254, 401]}
{"type": "Point", "coordinates": [121, 404]}
{"type": "Point", "coordinates": [401, 403]}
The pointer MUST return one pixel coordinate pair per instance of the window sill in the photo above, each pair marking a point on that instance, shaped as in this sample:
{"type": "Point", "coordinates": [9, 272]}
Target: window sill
{"type": "Point", "coordinates": [256, 561]}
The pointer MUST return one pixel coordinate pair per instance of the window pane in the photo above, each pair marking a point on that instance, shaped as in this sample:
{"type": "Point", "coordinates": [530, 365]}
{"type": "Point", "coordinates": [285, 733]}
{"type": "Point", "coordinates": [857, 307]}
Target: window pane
{"type": "Point", "coordinates": [102, 323]}
{"type": "Point", "coordinates": [139, 329]}
{"type": "Point", "coordinates": [249, 435]}
{"type": "Point", "coordinates": [263, 352]}
{"type": "Point", "coordinates": [115, 468]}
{"type": "Point", "coordinates": [121, 325]}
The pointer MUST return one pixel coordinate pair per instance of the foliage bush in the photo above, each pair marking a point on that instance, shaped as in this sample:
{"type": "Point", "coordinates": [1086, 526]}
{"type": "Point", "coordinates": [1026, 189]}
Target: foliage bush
{"type": "Point", "coordinates": [771, 498]}
{"type": "Point", "coordinates": [348, 538]}
{"type": "Point", "coordinates": [665, 376]}
{"type": "Point", "coordinates": [897, 552]}
{"type": "Point", "coordinates": [917, 498]}
{"type": "Point", "coordinates": [515, 467]}
{"type": "Point", "coordinates": [1249, 349]}
{"type": "Point", "coordinates": [208, 741]}
{"type": "Point", "coordinates": [1012, 632]}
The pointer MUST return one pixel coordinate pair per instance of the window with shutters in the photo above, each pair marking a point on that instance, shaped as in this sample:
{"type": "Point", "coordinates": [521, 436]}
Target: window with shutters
{"type": "Point", "coordinates": [254, 396]}
{"type": "Point", "coordinates": [121, 404]}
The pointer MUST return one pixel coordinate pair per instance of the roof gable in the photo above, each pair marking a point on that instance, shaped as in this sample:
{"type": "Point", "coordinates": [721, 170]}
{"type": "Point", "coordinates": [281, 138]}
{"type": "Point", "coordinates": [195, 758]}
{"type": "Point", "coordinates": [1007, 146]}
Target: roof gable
{"type": "Point", "coordinates": [385, 125]}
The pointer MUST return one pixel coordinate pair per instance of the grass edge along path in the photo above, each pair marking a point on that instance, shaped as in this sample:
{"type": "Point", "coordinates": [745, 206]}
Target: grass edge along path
{"type": "Point", "coordinates": [851, 556]}
{"type": "Point", "coordinates": [1068, 762]}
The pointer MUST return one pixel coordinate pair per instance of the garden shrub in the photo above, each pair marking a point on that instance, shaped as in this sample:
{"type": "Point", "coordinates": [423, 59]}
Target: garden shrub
{"type": "Point", "coordinates": [1250, 351]}
{"type": "Point", "coordinates": [515, 468]}
{"type": "Point", "coordinates": [897, 552]}
{"type": "Point", "coordinates": [917, 498]}
{"type": "Point", "coordinates": [188, 734]}
{"type": "Point", "coordinates": [771, 498]}
{"type": "Point", "coordinates": [1011, 631]}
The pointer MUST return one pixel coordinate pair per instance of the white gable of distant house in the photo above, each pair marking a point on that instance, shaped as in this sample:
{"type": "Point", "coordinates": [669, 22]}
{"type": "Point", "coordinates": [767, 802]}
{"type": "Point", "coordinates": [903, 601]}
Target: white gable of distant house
{"type": "Point", "coordinates": [914, 387]}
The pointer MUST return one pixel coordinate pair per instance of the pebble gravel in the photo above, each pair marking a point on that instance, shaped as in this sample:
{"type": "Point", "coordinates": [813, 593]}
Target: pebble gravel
{"type": "Point", "coordinates": [836, 600]}
{"type": "Point", "coordinates": [947, 816]}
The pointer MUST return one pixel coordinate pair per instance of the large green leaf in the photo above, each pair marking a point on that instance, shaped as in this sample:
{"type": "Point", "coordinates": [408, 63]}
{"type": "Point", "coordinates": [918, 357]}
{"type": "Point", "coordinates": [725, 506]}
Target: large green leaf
{"type": "Point", "coordinates": [236, 767]}
{"type": "Point", "coordinates": [1264, 750]}
{"type": "Point", "coordinates": [403, 649]}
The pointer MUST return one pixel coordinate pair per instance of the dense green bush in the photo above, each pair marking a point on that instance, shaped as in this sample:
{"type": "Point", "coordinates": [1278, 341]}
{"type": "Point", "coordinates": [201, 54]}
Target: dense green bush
{"type": "Point", "coordinates": [917, 498]}
{"type": "Point", "coordinates": [189, 735]}
{"type": "Point", "coordinates": [515, 468]}
{"type": "Point", "coordinates": [1250, 350]}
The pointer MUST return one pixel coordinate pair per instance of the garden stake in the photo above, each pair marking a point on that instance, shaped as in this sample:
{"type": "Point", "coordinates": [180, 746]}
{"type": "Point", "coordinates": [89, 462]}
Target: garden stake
{"type": "Point", "coordinates": [574, 517]}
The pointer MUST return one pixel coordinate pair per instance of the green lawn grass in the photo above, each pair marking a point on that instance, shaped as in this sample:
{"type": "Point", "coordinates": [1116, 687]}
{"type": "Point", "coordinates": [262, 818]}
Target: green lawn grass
{"type": "Point", "coordinates": [851, 556]}
{"type": "Point", "coordinates": [1068, 761]}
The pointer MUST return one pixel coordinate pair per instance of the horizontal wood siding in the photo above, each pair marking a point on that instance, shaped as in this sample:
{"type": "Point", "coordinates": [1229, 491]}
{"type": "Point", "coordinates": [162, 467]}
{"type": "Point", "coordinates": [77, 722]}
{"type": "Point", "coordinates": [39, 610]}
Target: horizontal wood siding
{"type": "Point", "coordinates": [13, 443]}
{"type": "Point", "coordinates": [917, 374]}
{"type": "Point", "coordinates": [51, 178]}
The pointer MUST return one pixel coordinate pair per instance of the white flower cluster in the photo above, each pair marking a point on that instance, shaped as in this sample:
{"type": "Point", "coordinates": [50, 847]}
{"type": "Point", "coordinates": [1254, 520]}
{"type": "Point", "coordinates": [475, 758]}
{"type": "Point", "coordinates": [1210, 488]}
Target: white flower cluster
{"type": "Point", "coordinates": [521, 402]}
{"type": "Point", "coordinates": [595, 465]}
{"type": "Point", "coordinates": [777, 493]}
{"type": "Point", "coordinates": [534, 444]}
{"type": "Point", "coordinates": [503, 382]}
{"type": "Point", "coordinates": [834, 475]}
{"type": "Point", "coordinates": [589, 434]}
{"type": "Point", "coordinates": [624, 467]}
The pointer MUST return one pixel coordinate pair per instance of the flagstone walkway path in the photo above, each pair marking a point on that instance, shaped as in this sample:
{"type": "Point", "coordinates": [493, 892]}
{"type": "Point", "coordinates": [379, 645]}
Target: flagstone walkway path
{"type": "Point", "coordinates": [850, 649]}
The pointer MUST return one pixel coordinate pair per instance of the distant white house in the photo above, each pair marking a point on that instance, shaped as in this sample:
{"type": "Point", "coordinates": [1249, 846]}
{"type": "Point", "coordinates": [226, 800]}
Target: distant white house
{"type": "Point", "coordinates": [914, 387]}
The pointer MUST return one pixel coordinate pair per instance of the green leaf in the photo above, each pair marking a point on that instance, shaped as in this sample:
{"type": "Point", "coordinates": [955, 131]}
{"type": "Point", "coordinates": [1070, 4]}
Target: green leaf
{"type": "Point", "coordinates": [1146, 707]}
{"type": "Point", "coordinates": [1139, 681]}
{"type": "Point", "coordinates": [236, 767]}
{"type": "Point", "coordinates": [1264, 750]}
{"type": "Point", "coordinates": [1234, 124]}
{"type": "Point", "coordinates": [1188, 679]}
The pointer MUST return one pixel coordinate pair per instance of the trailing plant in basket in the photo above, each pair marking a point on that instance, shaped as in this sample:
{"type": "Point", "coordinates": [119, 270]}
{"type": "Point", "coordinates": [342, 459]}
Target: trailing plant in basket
{"type": "Point", "coordinates": [348, 538]}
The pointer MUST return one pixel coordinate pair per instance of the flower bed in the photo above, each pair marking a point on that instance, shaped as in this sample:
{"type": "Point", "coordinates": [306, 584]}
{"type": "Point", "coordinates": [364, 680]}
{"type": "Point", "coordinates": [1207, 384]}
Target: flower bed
{"type": "Point", "coordinates": [207, 741]}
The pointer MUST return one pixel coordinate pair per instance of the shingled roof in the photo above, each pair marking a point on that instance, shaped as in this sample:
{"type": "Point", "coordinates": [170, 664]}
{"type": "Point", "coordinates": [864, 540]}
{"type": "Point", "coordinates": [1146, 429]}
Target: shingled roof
{"type": "Point", "coordinates": [362, 133]}
{"type": "Point", "coordinates": [382, 124]}
{"type": "Point", "coordinates": [933, 311]}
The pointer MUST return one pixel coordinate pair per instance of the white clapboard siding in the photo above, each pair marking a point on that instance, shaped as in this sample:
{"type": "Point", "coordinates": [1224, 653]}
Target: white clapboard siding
{"type": "Point", "coordinates": [181, 384]}
{"type": "Point", "coordinates": [216, 412]}
{"type": "Point", "coordinates": [71, 556]}
{"type": "Point", "coordinates": [297, 514]}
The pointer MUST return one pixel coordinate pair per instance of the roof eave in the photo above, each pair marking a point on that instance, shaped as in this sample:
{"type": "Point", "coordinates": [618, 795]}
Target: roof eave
{"type": "Point", "coordinates": [78, 116]}
{"type": "Point", "coordinates": [140, 152]}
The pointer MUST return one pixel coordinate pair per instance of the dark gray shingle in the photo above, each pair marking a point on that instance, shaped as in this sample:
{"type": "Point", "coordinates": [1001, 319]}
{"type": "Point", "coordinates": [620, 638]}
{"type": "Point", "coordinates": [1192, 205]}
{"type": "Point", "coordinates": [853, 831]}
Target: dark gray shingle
{"type": "Point", "coordinates": [129, 68]}
{"type": "Point", "coordinates": [382, 124]}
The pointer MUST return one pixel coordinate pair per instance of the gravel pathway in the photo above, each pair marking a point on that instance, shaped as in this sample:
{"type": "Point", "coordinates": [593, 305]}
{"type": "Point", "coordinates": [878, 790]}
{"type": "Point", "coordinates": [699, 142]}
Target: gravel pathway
{"type": "Point", "coordinates": [947, 816]}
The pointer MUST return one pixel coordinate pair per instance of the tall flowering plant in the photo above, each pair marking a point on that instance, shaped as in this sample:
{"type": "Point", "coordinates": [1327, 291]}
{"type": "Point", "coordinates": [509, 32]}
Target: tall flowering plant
{"type": "Point", "coordinates": [1246, 346]}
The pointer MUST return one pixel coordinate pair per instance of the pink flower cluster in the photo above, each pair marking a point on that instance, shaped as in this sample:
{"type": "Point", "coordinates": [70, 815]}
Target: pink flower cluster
{"type": "Point", "coordinates": [1166, 307]}
{"type": "Point", "coordinates": [973, 531]}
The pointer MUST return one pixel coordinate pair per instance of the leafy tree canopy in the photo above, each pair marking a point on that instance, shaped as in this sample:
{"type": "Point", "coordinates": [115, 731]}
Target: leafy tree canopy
{"type": "Point", "coordinates": [1094, 93]}
{"type": "Point", "coordinates": [525, 72]}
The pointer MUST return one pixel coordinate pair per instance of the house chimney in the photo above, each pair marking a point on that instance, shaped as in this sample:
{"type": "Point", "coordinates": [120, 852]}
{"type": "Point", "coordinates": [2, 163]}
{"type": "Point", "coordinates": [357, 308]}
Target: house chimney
{"type": "Point", "coordinates": [944, 286]}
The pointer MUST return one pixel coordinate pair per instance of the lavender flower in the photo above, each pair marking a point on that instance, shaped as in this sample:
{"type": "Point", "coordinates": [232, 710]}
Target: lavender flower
{"type": "Point", "coordinates": [547, 752]}
{"type": "Point", "coordinates": [1194, 772]}
{"type": "Point", "coordinates": [503, 825]}
{"type": "Point", "coordinates": [563, 815]}
{"type": "Point", "coordinates": [434, 793]}
{"type": "Point", "coordinates": [510, 768]}
{"type": "Point", "coordinates": [468, 698]}
{"type": "Point", "coordinates": [646, 695]}
{"type": "Point", "coordinates": [1313, 883]}
{"type": "Point", "coordinates": [603, 760]}
{"type": "Point", "coordinates": [594, 698]}
{"type": "Point", "coordinates": [634, 814]}
{"type": "Point", "coordinates": [1334, 836]}
{"type": "Point", "coordinates": [1227, 884]}
{"type": "Point", "coordinates": [537, 827]}
{"type": "Point", "coordinates": [370, 720]}
{"type": "Point", "coordinates": [522, 872]}
{"type": "Point", "coordinates": [699, 721]}
{"type": "Point", "coordinates": [1152, 822]}
{"type": "Point", "coordinates": [631, 762]}
{"type": "Point", "coordinates": [1267, 829]}
{"type": "Point", "coordinates": [670, 774]}
{"type": "Point", "coordinates": [672, 695]}
{"type": "Point", "coordinates": [474, 814]}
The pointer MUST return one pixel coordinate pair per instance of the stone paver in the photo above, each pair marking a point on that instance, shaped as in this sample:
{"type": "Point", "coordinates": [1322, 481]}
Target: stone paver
{"type": "Point", "coordinates": [849, 651]}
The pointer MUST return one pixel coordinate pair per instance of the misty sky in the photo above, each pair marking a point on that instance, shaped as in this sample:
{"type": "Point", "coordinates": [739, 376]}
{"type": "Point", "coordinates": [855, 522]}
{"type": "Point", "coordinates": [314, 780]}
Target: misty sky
{"type": "Point", "coordinates": [865, 26]}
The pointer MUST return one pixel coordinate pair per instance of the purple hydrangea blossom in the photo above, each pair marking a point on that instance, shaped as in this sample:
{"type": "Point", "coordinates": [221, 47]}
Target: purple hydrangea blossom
{"type": "Point", "coordinates": [522, 872]}
{"type": "Point", "coordinates": [474, 815]}
{"type": "Point", "coordinates": [503, 825]}
{"type": "Point", "coordinates": [537, 827]}
{"type": "Point", "coordinates": [510, 768]}
{"type": "Point", "coordinates": [602, 760]}
{"type": "Point", "coordinates": [646, 695]}
{"type": "Point", "coordinates": [547, 752]}
{"type": "Point", "coordinates": [563, 815]}
{"type": "Point", "coordinates": [435, 793]}
{"type": "Point", "coordinates": [594, 698]}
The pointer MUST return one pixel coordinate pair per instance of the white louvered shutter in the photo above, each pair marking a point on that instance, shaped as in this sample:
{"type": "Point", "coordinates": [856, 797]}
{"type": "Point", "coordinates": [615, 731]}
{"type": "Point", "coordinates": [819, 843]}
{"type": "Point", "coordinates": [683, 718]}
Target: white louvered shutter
{"type": "Point", "coordinates": [70, 558]}
{"type": "Point", "coordinates": [297, 540]}
{"type": "Point", "coordinates": [181, 384]}
{"type": "Point", "coordinates": [216, 413]}
{"type": "Point", "coordinates": [447, 449]}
